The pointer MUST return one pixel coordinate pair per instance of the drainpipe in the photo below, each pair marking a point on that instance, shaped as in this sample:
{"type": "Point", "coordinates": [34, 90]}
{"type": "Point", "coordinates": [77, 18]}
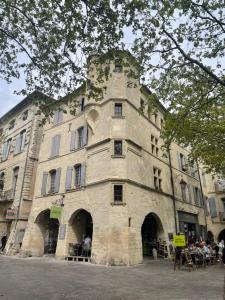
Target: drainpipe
{"type": "Point", "coordinates": [200, 182]}
{"type": "Point", "coordinates": [173, 192]}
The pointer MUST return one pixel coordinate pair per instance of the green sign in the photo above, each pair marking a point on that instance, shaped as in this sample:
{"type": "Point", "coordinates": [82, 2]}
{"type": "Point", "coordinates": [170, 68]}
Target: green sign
{"type": "Point", "coordinates": [179, 240]}
{"type": "Point", "coordinates": [56, 212]}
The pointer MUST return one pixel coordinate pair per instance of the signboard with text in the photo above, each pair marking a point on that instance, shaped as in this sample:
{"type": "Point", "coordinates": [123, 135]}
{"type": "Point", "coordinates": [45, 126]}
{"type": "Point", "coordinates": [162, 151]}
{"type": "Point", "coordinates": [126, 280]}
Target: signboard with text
{"type": "Point", "coordinates": [55, 212]}
{"type": "Point", "coordinates": [179, 240]}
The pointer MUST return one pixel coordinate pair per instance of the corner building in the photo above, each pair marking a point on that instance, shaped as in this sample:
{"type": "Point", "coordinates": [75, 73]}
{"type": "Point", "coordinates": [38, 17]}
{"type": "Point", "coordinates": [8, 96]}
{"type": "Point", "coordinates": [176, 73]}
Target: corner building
{"type": "Point", "coordinates": [105, 168]}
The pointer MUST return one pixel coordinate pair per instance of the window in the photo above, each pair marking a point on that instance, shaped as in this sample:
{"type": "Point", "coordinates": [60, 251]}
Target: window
{"type": "Point", "coordinates": [14, 182]}
{"type": "Point", "coordinates": [118, 65]}
{"type": "Point", "coordinates": [58, 117]}
{"type": "Point", "coordinates": [25, 115]}
{"type": "Point", "coordinates": [154, 145]}
{"type": "Point", "coordinates": [182, 162]}
{"type": "Point", "coordinates": [197, 196]}
{"type": "Point", "coordinates": [82, 104]}
{"type": "Point", "coordinates": [142, 105]}
{"type": "Point", "coordinates": [156, 118]}
{"type": "Point", "coordinates": [118, 193]}
{"type": "Point", "coordinates": [52, 181]}
{"type": "Point", "coordinates": [55, 145]}
{"type": "Point", "coordinates": [183, 186]}
{"type": "Point", "coordinates": [77, 182]}
{"type": "Point", "coordinates": [118, 112]}
{"type": "Point", "coordinates": [6, 149]}
{"type": "Point", "coordinates": [12, 124]}
{"type": "Point", "coordinates": [118, 149]}
{"type": "Point", "coordinates": [20, 142]}
{"type": "Point", "coordinates": [157, 178]}
{"type": "Point", "coordinates": [161, 123]}
{"type": "Point", "coordinates": [80, 132]}
{"type": "Point", "coordinates": [2, 181]}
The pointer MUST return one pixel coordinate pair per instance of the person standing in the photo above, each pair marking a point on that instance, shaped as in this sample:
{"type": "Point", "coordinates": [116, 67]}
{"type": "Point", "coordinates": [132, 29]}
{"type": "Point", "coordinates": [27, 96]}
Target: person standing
{"type": "Point", "coordinates": [221, 247]}
{"type": "Point", "coordinates": [3, 241]}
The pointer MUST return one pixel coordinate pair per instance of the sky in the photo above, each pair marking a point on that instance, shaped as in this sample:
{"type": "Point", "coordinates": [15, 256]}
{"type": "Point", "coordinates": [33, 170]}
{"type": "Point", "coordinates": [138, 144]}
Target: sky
{"type": "Point", "coordinates": [7, 97]}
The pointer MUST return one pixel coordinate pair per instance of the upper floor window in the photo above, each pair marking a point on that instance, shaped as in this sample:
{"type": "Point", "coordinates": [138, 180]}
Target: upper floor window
{"type": "Point", "coordinates": [12, 124]}
{"type": "Point", "coordinates": [157, 178]}
{"type": "Point", "coordinates": [55, 145]}
{"type": "Point", "coordinates": [51, 181]}
{"type": "Point", "coordinates": [2, 181]}
{"type": "Point", "coordinates": [197, 196]}
{"type": "Point", "coordinates": [154, 145]}
{"type": "Point", "coordinates": [6, 148]}
{"type": "Point", "coordinates": [79, 138]}
{"type": "Point", "coordinates": [58, 117]}
{"type": "Point", "coordinates": [156, 118]}
{"type": "Point", "coordinates": [118, 110]}
{"type": "Point", "coordinates": [20, 142]}
{"type": "Point", "coordinates": [118, 193]}
{"type": "Point", "coordinates": [118, 147]}
{"type": "Point", "coordinates": [15, 179]}
{"type": "Point", "coordinates": [80, 132]}
{"type": "Point", "coordinates": [183, 186]}
{"type": "Point", "coordinates": [82, 104]}
{"type": "Point", "coordinates": [25, 115]}
{"type": "Point", "coordinates": [118, 65]}
{"type": "Point", "coordinates": [75, 176]}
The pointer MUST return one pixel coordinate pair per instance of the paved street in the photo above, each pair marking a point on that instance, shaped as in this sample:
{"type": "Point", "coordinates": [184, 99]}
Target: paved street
{"type": "Point", "coordinates": [47, 278]}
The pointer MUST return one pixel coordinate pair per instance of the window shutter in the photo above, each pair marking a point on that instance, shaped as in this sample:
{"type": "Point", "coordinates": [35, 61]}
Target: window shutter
{"type": "Point", "coordinates": [57, 180]}
{"type": "Point", "coordinates": [8, 145]}
{"type": "Point", "coordinates": [83, 174]}
{"type": "Point", "coordinates": [44, 183]}
{"type": "Point", "coordinates": [212, 206]}
{"type": "Point", "coordinates": [18, 144]}
{"type": "Point", "coordinates": [69, 173]}
{"type": "Point", "coordinates": [195, 196]}
{"type": "Point", "coordinates": [73, 140]}
{"type": "Point", "coordinates": [55, 145]}
{"type": "Point", "coordinates": [189, 193]}
{"type": "Point", "coordinates": [179, 161]}
{"type": "Point", "coordinates": [23, 138]}
{"type": "Point", "coordinates": [4, 151]}
{"type": "Point", "coordinates": [85, 135]}
{"type": "Point", "coordinates": [60, 116]}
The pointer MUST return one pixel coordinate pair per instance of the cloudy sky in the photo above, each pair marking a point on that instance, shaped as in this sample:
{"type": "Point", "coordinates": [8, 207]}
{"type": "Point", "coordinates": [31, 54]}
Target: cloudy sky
{"type": "Point", "coordinates": [7, 98]}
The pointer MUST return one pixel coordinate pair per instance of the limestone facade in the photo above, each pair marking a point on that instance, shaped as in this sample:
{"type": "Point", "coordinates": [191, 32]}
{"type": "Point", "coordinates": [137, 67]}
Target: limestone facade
{"type": "Point", "coordinates": [20, 140]}
{"type": "Point", "coordinates": [106, 170]}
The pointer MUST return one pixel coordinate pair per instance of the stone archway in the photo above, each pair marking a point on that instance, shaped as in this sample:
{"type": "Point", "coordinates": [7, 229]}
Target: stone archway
{"type": "Point", "coordinates": [80, 227]}
{"type": "Point", "coordinates": [49, 229]}
{"type": "Point", "coordinates": [152, 234]}
{"type": "Point", "coordinates": [221, 235]}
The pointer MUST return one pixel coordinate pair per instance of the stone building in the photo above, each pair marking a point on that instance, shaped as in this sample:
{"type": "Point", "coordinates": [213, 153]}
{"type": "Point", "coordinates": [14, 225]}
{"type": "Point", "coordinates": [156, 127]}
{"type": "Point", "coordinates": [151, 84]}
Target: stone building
{"type": "Point", "coordinates": [103, 169]}
{"type": "Point", "coordinates": [20, 140]}
{"type": "Point", "coordinates": [214, 188]}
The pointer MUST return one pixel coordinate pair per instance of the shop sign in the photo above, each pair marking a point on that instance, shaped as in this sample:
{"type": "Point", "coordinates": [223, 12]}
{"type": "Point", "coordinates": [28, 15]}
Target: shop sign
{"type": "Point", "coordinates": [55, 212]}
{"type": "Point", "coordinates": [179, 240]}
{"type": "Point", "coordinates": [11, 214]}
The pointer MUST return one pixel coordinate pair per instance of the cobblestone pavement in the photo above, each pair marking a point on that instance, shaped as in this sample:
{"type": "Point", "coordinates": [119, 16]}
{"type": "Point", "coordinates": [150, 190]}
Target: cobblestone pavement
{"type": "Point", "coordinates": [50, 279]}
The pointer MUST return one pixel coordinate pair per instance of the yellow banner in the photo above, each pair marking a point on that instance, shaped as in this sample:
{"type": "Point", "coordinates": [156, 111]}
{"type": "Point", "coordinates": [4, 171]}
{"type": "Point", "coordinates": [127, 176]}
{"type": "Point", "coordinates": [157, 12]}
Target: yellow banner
{"type": "Point", "coordinates": [179, 240]}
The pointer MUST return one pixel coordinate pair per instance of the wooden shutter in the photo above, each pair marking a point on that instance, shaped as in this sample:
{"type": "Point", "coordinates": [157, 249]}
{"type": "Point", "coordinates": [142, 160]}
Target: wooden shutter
{"type": "Point", "coordinates": [57, 180]}
{"type": "Point", "coordinates": [85, 135]}
{"type": "Point", "coordinates": [55, 145]}
{"type": "Point", "coordinates": [83, 174]}
{"type": "Point", "coordinates": [69, 173]}
{"type": "Point", "coordinates": [189, 193]}
{"type": "Point", "coordinates": [179, 161]}
{"type": "Point", "coordinates": [18, 144]}
{"type": "Point", "coordinates": [4, 151]}
{"type": "Point", "coordinates": [23, 138]}
{"type": "Point", "coordinates": [212, 206]}
{"type": "Point", "coordinates": [44, 183]}
{"type": "Point", "coordinates": [73, 140]}
{"type": "Point", "coordinates": [195, 196]}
